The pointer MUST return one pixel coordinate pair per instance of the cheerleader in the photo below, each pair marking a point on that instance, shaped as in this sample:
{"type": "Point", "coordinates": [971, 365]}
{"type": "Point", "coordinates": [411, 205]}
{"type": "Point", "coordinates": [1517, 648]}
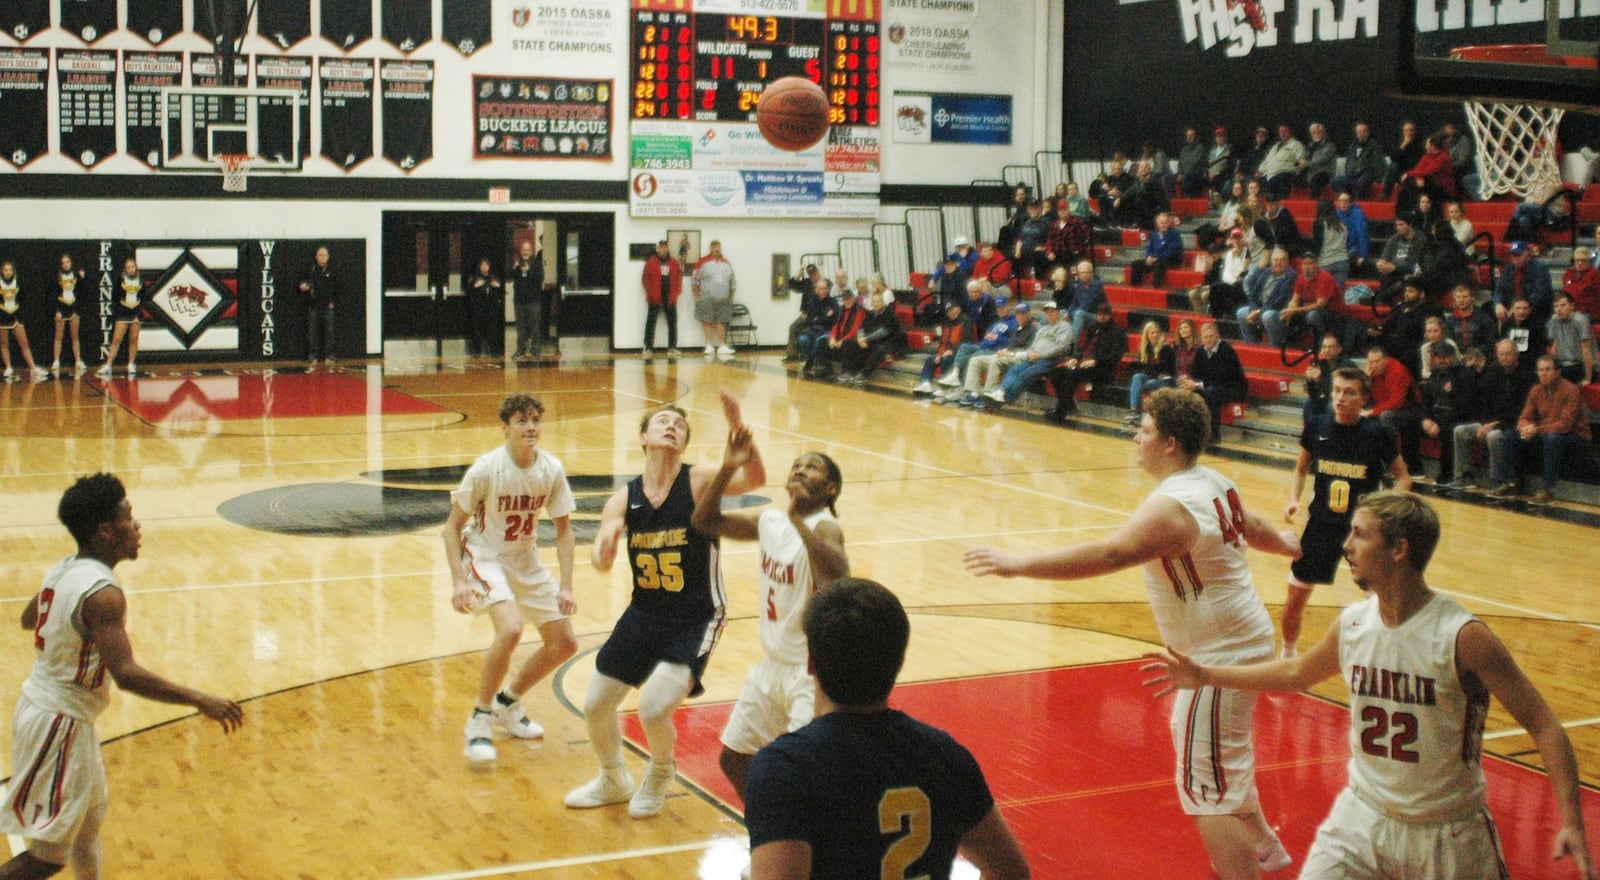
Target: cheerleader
{"type": "Point", "coordinates": [10, 304]}
{"type": "Point", "coordinates": [67, 303]}
{"type": "Point", "coordinates": [126, 314]}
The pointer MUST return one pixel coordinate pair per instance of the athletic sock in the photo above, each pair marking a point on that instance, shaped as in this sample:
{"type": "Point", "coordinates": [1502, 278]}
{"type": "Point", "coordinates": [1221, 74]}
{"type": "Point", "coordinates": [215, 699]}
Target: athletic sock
{"type": "Point", "coordinates": [505, 698]}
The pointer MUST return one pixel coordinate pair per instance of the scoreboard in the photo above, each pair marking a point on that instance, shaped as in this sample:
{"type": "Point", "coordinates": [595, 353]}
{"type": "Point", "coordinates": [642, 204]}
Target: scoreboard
{"type": "Point", "coordinates": [697, 71]}
{"type": "Point", "coordinates": [713, 66]}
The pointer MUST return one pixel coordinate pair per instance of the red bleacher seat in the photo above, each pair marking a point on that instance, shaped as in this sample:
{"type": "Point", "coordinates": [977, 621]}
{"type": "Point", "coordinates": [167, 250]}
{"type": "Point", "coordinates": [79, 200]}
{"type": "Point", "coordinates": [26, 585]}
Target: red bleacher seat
{"type": "Point", "coordinates": [1190, 207]}
{"type": "Point", "coordinates": [1234, 412]}
{"type": "Point", "coordinates": [1481, 213]}
{"type": "Point", "coordinates": [1591, 397]}
{"type": "Point", "coordinates": [1184, 278]}
{"type": "Point", "coordinates": [1127, 296]}
{"type": "Point", "coordinates": [920, 340]}
{"type": "Point", "coordinates": [1133, 237]}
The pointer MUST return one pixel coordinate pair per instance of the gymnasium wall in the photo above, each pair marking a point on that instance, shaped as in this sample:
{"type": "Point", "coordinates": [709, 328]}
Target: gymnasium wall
{"type": "Point", "coordinates": [990, 48]}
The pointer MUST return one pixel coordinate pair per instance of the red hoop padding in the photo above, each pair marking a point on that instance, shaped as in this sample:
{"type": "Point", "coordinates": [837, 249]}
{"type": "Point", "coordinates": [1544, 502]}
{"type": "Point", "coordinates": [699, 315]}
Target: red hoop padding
{"type": "Point", "coordinates": [1520, 53]}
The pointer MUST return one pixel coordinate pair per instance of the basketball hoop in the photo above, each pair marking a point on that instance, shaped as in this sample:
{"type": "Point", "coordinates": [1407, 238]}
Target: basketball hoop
{"type": "Point", "coordinates": [235, 171]}
{"type": "Point", "coordinates": [1516, 143]}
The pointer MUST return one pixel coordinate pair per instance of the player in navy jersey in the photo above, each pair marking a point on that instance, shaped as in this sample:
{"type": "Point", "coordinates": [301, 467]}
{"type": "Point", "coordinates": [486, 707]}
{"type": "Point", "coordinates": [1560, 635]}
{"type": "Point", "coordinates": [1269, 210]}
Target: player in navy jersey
{"type": "Point", "coordinates": [1348, 454]}
{"type": "Point", "coordinates": [1420, 669]}
{"type": "Point", "coordinates": [664, 638]}
{"type": "Point", "coordinates": [819, 799]}
{"type": "Point", "coordinates": [1190, 536]}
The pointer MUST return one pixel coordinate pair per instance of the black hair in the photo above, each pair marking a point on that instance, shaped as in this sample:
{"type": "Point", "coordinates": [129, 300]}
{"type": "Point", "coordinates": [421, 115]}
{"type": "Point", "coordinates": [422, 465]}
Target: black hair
{"type": "Point", "coordinates": [857, 632]}
{"type": "Point", "coordinates": [90, 503]}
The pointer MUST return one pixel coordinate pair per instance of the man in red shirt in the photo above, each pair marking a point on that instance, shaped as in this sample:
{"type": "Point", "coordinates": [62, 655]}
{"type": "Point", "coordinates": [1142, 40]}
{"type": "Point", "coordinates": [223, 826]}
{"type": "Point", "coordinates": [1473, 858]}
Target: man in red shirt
{"type": "Point", "coordinates": [1394, 401]}
{"type": "Point", "coordinates": [1582, 282]}
{"type": "Point", "coordinates": [1555, 419]}
{"type": "Point", "coordinates": [663, 281]}
{"type": "Point", "coordinates": [992, 266]}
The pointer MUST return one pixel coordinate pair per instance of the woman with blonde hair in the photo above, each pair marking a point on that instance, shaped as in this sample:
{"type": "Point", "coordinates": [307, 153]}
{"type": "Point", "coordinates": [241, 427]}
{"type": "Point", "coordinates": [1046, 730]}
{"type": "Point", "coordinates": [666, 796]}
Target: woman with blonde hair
{"type": "Point", "coordinates": [1152, 368]}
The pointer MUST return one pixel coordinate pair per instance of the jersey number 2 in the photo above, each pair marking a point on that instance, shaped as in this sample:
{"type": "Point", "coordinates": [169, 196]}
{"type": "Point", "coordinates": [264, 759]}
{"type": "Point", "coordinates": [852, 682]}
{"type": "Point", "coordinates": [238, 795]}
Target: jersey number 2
{"type": "Point", "coordinates": [47, 597]}
{"type": "Point", "coordinates": [905, 811]}
{"type": "Point", "coordinates": [1378, 724]}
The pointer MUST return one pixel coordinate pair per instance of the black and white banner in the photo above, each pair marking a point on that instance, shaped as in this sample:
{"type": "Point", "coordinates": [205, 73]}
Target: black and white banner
{"type": "Point", "coordinates": [407, 24]}
{"type": "Point", "coordinates": [24, 18]}
{"type": "Point", "coordinates": [276, 124]}
{"type": "Point", "coordinates": [144, 75]}
{"type": "Point", "coordinates": [24, 104]}
{"type": "Point", "coordinates": [346, 110]}
{"type": "Point", "coordinates": [284, 22]}
{"type": "Point", "coordinates": [348, 23]}
{"type": "Point", "coordinates": [89, 20]}
{"type": "Point", "coordinates": [407, 112]}
{"type": "Point", "coordinates": [86, 84]}
{"type": "Point", "coordinates": [156, 21]}
{"type": "Point", "coordinates": [466, 24]}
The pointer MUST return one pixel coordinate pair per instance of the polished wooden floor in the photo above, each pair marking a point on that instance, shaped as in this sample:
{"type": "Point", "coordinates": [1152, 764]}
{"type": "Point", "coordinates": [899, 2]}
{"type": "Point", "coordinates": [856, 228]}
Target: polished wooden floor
{"type": "Point", "coordinates": [356, 674]}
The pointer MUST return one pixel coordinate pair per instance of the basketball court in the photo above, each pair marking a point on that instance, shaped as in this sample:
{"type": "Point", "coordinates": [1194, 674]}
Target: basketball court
{"type": "Point", "coordinates": [326, 614]}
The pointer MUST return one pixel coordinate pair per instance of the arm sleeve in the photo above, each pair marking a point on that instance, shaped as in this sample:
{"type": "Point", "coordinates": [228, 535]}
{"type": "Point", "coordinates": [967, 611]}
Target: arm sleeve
{"type": "Point", "coordinates": [775, 799]}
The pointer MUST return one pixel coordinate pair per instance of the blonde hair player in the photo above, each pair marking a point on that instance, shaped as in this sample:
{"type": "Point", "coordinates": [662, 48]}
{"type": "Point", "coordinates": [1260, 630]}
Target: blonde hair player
{"type": "Point", "coordinates": [11, 323]}
{"type": "Point", "coordinates": [125, 318]}
{"type": "Point", "coordinates": [68, 305]}
{"type": "Point", "coordinates": [1414, 805]}
{"type": "Point", "coordinates": [802, 550]}
{"type": "Point", "coordinates": [663, 640]}
{"type": "Point", "coordinates": [1191, 535]}
{"type": "Point", "coordinates": [491, 545]}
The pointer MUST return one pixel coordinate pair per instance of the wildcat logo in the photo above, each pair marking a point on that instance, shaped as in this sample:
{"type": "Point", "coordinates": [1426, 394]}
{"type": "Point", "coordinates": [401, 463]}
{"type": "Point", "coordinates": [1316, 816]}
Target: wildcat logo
{"type": "Point", "coordinates": [912, 120]}
{"type": "Point", "coordinates": [187, 300]}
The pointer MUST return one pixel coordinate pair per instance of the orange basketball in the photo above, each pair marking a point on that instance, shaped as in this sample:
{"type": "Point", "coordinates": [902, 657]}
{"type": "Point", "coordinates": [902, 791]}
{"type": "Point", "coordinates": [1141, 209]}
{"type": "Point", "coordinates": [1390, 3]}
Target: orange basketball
{"type": "Point", "coordinates": [792, 113]}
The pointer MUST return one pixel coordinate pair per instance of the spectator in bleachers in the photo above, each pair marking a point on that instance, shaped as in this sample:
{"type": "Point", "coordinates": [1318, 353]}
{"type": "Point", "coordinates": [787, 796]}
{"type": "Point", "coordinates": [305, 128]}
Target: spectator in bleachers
{"type": "Point", "coordinates": [1029, 253]}
{"type": "Point", "coordinates": [1404, 328]}
{"type": "Point", "coordinates": [1319, 376]}
{"type": "Point", "coordinates": [1502, 390]}
{"type": "Point", "coordinates": [1216, 375]}
{"type": "Point", "coordinates": [1163, 250]}
{"type": "Point", "coordinates": [819, 311]}
{"type": "Point", "coordinates": [992, 266]}
{"type": "Point", "coordinates": [1358, 241]}
{"type": "Point", "coordinates": [981, 304]}
{"type": "Point", "coordinates": [1460, 226]}
{"type": "Point", "coordinates": [1006, 239]}
{"type": "Point", "coordinates": [1077, 202]}
{"type": "Point", "coordinates": [983, 368]}
{"type": "Point", "coordinates": [966, 255]}
{"type": "Point", "coordinates": [1059, 289]}
{"type": "Point", "coordinates": [1097, 356]}
{"type": "Point", "coordinates": [1268, 290]}
{"type": "Point", "coordinates": [1399, 258]}
{"type": "Point", "coordinates": [1280, 168]}
{"type": "Point", "coordinates": [829, 352]}
{"type": "Point", "coordinates": [1249, 165]}
{"type": "Point", "coordinates": [1571, 341]}
{"type": "Point", "coordinates": [1087, 295]}
{"type": "Point", "coordinates": [1228, 212]}
{"type": "Point", "coordinates": [1463, 158]}
{"type": "Point", "coordinates": [881, 338]}
{"type": "Point", "coordinates": [1160, 166]}
{"type": "Point", "coordinates": [1434, 334]}
{"type": "Point", "coordinates": [1449, 397]}
{"type": "Point", "coordinates": [1541, 210]}
{"type": "Point", "coordinates": [1442, 264]}
{"type": "Point", "coordinates": [1155, 365]}
{"type": "Point", "coordinates": [1277, 227]}
{"type": "Point", "coordinates": [1553, 419]}
{"type": "Point", "coordinates": [1433, 175]}
{"type": "Point", "coordinates": [1022, 366]}
{"type": "Point", "coordinates": [1070, 238]}
{"type": "Point", "coordinates": [1364, 164]}
{"type": "Point", "coordinates": [1321, 159]}
{"type": "Point", "coordinates": [1406, 156]}
{"type": "Point", "coordinates": [1582, 283]}
{"type": "Point", "coordinates": [1428, 212]}
{"type": "Point", "coordinates": [1469, 324]}
{"type": "Point", "coordinates": [993, 338]}
{"type": "Point", "coordinates": [802, 285]}
{"type": "Point", "coordinates": [1138, 204]}
{"type": "Point", "coordinates": [1220, 161]}
{"type": "Point", "coordinates": [804, 280]}
{"type": "Point", "coordinates": [841, 282]}
{"type": "Point", "coordinates": [1394, 399]}
{"type": "Point", "coordinates": [1223, 290]}
{"type": "Point", "coordinates": [1329, 241]}
{"type": "Point", "coordinates": [1527, 334]}
{"type": "Point", "coordinates": [1192, 165]}
{"type": "Point", "coordinates": [1527, 277]}
{"type": "Point", "coordinates": [1109, 183]}
{"type": "Point", "coordinates": [950, 282]}
{"type": "Point", "coordinates": [1318, 301]}
{"type": "Point", "coordinates": [956, 330]}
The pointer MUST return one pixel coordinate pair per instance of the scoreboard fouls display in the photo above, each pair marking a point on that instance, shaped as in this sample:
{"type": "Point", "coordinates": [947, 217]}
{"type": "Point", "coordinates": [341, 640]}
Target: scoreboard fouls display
{"type": "Point", "coordinates": [713, 66]}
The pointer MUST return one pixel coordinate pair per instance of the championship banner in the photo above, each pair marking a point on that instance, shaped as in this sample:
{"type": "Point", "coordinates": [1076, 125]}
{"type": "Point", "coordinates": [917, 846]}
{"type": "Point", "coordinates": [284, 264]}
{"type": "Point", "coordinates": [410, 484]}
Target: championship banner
{"type": "Point", "coordinates": [347, 23]}
{"type": "Point", "coordinates": [24, 18]}
{"type": "Point", "coordinates": [204, 71]}
{"type": "Point", "coordinates": [536, 118]}
{"type": "Point", "coordinates": [568, 29]}
{"type": "Point", "coordinates": [144, 75]}
{"type": "Point", "coordinates": [283, 72]}
{"type": "Point", "coordinates": [24, 104]}
{"type": "Point", "coordinates": [284, 22]}
{"type": "Point", "coordinates": [89, 20]}
{"type": "Point", "coordinates": [407, 24]}
{"type": "Point", "coordinates": [466, 25]}
{"type": "Point", "coordinates": [346, 110]}
{"type": "Point", "coordinates": [156, 20]}
{"type": "Point", "coordinates": [407, 112]}
{"type": "Point", "coordinates": [86, 85]}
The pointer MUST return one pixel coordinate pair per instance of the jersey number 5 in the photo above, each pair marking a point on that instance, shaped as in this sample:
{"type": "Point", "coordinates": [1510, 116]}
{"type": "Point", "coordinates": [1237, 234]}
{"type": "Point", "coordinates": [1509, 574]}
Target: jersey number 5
{"type": "Point", "coordinates": [905, 811]}
{"type": "Point", "coordinates": [660, 571]}
{"type": "Point", "coordinates": [1378, 724]}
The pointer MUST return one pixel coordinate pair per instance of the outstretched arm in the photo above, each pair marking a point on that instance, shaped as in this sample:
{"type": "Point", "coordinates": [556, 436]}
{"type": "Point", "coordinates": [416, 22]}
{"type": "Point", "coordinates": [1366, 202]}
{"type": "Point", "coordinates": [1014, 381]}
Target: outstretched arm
{"type": "Point", "coordinates": [104, 616]}
{"type": "Point", "coordinates": [1478, 651]}
{"type": "Point", "coordinates": [753, 475]}
{"type": "Point", "coordinates": [1262, 537]}
{"type": "Point", "coordinates": [1175, 671]}
{"type": "Point", "coordinates": [603, 553]}
{"type": "Point", "coordinates": [708, 516]}
{"type": "Point", "coordinates": [1160, 527]}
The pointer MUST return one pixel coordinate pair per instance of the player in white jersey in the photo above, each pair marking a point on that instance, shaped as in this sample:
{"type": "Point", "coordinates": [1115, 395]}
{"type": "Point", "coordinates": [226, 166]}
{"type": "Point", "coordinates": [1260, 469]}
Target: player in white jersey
{"type": "Point", "coordinates": [1191, 535]}
{"type": "Point", "coordinates": [491, 545]}
{"type": "Point", "coordinates": [1420, 670]}
{"type": "Point", "coordinates": [802, 551]}
{"type": "Point", "coordinates": [57, 796]}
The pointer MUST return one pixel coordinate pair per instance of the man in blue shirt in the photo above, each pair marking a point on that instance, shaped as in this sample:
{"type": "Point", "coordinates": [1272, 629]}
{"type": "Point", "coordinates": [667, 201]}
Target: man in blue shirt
{"type": "Point", "coordinates": [1163, 251]}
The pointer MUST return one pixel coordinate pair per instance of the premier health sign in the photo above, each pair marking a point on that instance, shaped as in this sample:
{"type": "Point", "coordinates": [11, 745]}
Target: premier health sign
{"type": "Point", "coordinates": [940, 118]}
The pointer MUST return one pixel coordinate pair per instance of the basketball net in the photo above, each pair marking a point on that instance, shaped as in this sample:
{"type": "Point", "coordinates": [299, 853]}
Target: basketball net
{"type": "Point", "coordinates": [1516, 145]}
{"type": "Point", "coordinates": [235, 171]}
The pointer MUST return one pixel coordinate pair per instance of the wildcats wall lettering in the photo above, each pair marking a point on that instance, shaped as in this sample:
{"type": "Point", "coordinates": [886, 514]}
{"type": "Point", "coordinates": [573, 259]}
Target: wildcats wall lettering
{"type": "Point", "coordinates": [269, 293]}
{"type": "Point", "coordinates": [1243, 27]}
